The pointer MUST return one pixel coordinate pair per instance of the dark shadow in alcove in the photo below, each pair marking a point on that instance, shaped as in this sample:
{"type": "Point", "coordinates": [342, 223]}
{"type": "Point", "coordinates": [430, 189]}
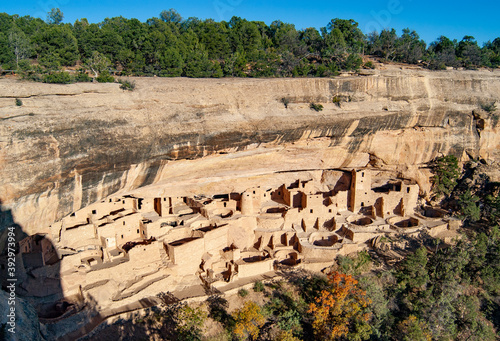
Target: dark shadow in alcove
{"type": "Point", "coordinates": [37, 274]}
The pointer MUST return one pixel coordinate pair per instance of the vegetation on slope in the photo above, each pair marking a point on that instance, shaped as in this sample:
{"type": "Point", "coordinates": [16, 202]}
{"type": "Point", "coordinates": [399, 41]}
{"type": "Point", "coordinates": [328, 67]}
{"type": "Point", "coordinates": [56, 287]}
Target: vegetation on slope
{"type": "Point", "coordinates": [170, 46]}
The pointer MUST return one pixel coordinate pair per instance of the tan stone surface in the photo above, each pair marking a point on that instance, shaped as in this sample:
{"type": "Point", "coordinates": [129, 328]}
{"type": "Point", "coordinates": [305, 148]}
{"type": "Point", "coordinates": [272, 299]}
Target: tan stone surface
{"type": "Point", "coordinates": [71, 145]}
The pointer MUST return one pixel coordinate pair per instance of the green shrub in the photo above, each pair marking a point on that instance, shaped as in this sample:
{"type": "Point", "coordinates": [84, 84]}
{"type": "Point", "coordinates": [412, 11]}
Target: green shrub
{"type": "Point", "coordinates": [353, 62]}
{"type": "Point", "coordinates": [369, 65]}
{"type": "Point", "coordinates": [57, 78]}
{"type": "Point", "coordinates": [32, 76]}
{"type": "Point", "coordinates": [180, 321]}
{"type": "Point", "coordinates": [354, 265]}
{"type": "Point", "coordinates": [336, 101]}
{"type": "Point", "coordinates": [126, 84]}
{"type": "Point", "coordinates": [436, 65]}
{"type": "Point", "coordinates": [49, 63]}
{"type": "Point", "coordinates": [217, 307]}
{"type": "Point", "coordinates": [317, 107]}
{"type": "Point", "coordinates": [285, 101]}
{"type": "Point", "coordinates": [311, 287]}
{"type": "Point", "coordinates": [258, 286]}
{"type": "Point", "coordinates": [322, 71]}
{"type": "Point", "coordinates": [19, 102]}
{"type": "Point", "coordinates": [29, 72]}
{"type": "Point", "coordinates": [243, 292]}
{"type": "Point", "coordinates": [489, 107]}
{"type": "Point", "coordinates": [189, 323]}
{"type": "Point", "coordinates": [82, 77]}
{"type": "Point", "coordinates": [105, 77]}
{"type": "Point", "coordinates": [24, 65]}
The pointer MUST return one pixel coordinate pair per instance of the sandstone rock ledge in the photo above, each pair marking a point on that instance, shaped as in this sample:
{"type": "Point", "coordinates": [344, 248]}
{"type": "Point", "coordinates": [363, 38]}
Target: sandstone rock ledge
{"type": "Point", "coordinates": [71, 145]}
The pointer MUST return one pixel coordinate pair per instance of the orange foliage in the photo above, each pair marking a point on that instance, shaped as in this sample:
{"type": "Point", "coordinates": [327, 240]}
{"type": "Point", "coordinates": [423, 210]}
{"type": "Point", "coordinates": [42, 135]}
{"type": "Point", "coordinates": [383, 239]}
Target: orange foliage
{"type": "Point", "coordinates": [339, 308]}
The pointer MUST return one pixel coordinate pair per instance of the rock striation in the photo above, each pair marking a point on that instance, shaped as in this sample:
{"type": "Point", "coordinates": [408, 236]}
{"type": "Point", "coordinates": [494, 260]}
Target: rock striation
{"type": "Point", "coordinates": [69, 146]}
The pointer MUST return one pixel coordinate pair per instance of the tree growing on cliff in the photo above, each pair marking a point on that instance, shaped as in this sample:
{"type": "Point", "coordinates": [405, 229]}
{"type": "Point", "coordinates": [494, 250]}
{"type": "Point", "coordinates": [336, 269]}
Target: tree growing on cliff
{"type": "Point", "coordinates": [468, 206]}
{"type": "Point", "coordinates": [179, 321]}
{"type": "Point", "coordinates": [341, 311]}
{"type": "Point", "coordinates": [189, 323]}
{"type": "Point", "coordinates": [248, 320]}
{"type": "Point", "coordinates": [446, 173]}
{"type": "Point", "coordinates": [412, 274]}
{"type": "Point", "coordinates": [412, 329]}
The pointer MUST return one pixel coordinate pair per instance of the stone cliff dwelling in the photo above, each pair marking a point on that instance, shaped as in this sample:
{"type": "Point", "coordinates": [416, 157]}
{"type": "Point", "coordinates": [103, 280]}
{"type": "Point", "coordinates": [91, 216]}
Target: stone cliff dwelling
{"type": "Point", "coordinates": [173, 242]}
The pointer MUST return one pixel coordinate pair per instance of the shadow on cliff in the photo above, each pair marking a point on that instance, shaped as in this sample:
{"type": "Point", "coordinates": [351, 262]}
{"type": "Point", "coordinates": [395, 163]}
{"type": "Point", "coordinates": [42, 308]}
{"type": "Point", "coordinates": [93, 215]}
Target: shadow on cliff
{"type": "Point", "coordinates": [32, 264]}
{"type": "Point", "coordinates": [45, 308]}
{"type": "Point", "coordinates": [158, 320]}
{"type": "Point", "coordinates": [133, 328]}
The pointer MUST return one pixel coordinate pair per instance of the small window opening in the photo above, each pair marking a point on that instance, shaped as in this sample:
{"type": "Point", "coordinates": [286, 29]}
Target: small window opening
{"type": "Point", "coordinates": [407, 189]}
{"type": "Point", "coordinates": [94, 211]}
{"type": "Point", "coordinates": [362, 204]}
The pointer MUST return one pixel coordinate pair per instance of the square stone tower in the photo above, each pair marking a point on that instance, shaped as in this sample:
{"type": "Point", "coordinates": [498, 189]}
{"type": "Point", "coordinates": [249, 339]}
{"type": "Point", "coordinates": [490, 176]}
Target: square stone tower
{"type": "Point", "coordinates": [360, 193]}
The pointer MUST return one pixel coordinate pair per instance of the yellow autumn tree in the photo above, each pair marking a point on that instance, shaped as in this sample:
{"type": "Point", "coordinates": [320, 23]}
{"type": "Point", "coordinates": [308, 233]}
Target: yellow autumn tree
{"type": "Point", "coordinates": [287, 335]}
{"type": "Point", "coordinates": [248, 321]}
{"type": "Point", "coordinates": [341, 310]}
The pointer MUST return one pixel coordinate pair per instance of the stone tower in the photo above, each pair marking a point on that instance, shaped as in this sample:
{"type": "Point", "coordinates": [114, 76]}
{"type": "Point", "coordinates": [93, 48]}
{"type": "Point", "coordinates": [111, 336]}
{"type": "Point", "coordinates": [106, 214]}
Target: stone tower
{"type": "Point", "coordinates": [360, 193]}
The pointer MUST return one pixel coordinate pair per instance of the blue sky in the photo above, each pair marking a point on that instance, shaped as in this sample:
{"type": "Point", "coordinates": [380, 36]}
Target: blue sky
{"type": "Point", "coordinates": [430, 19]}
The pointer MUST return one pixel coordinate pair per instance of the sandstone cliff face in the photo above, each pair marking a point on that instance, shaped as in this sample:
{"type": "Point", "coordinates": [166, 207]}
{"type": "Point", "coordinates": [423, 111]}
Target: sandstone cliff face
{"type": "Point", "coordinates": [71, 145]}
